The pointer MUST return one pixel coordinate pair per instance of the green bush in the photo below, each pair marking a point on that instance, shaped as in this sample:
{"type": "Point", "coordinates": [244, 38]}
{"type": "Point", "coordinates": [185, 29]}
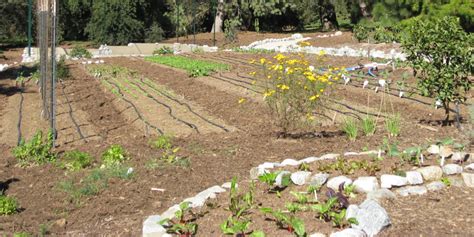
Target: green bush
{"type": "Point", "coordinates": [80, 52]}
{"type": "Point", "coordinates": [62, 70]}
{"type": "Point", "coordinates": [441, 54]}
{"type": "Point", "coordinates": [8, 205]}
{"type": "Point", "coordinates": [163, 51]}
{"type": "Point", "coordinates": [37, 151]}
{"type": "Point", "coordinates": [154, 34]}
{"type": "Point", "coordinates": [75, 160]}
{"type": "Point", "coordinates": [114, 156]}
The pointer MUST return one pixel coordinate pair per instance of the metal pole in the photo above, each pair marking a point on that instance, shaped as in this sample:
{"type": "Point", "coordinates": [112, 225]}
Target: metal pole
{"type": "Point", "coordinates": [194, 21]}
{"type": "Point", "coordinates": [29, 26]}
{"type": "Point", "coordinates": [53, 71]}
{"type": "Point", "coordinates": [214, 34]}
{"type": "Point", "coordinates": [177, 21]}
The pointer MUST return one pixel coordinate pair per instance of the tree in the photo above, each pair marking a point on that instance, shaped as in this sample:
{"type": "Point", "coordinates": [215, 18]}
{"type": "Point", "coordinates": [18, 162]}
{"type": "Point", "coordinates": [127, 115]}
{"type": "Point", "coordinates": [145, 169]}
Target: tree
{"type": "Point", "coordinates": [115, 22]}
{"type": "Point", "coordinates": [13, 16]}
{"type": "Point", "coordinates": [441, 54]}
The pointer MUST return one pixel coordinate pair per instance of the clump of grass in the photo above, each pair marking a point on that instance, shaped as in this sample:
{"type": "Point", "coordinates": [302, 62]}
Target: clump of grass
{"type": "Point", "coordinates": [163, 142]}
{"type": "Point", "coordinates": [8, 205]}
{"type": "Point", "coordinates": [37, 151]}
{"type": "Point", "coordinates": [80, 51]}
{"type": "Point", "coordinates": [113, 156]}
{"type": "Point", "coordinates": [194, 67]}
{"type": "Point", "coordinates": [368, 125]}
{"type": "Point", "coordinates": [392, 124]}
{"type": "Point", "coordinates": [350, 128]}
{"type": "Point", "coordinates": [75, 160]}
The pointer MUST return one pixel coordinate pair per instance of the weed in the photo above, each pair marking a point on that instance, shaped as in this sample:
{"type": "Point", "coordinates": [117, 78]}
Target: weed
{"type": "Point", "coordinates": [37, 151]}
{"type": "Point", "coordinates": [165, 50]}
{"type": "Point", "coordinates": [163, 142]}
{"type": "Point", "coordinates": [446, 181]}
{"type": "Point", "coordinates": [114, 155]}
{"type": "Point", "coordinates": [184, 227]}
{"type": "Point", "coordinates": [8, 205]}
{"type": "Point", "coordinates": [392, 124]}
{"type": "Point", "coordinates": [368, 125]}
{"type": "Point", "coordinates": [349, 126]}
{"type": "Point", "coordinates": [79, 52]}
{"type": "Point", "coordinates": [75, 160]}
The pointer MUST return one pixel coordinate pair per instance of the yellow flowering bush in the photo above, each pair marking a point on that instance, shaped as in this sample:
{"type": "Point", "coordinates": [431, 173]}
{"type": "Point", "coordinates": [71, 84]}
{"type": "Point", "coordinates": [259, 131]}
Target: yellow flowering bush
{"type": "Point", "coordinates": [293, 88]}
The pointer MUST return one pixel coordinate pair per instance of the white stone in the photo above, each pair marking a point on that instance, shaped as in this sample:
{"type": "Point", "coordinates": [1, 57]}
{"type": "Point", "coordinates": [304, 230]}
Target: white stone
{"type": "Point", "coordinates": [433, 149]}
{"type": "Point", "coordinates": [414, 177]}
{"type": "Point", "coordinates": [469, 167]}
{"type": "Point", "coordinates": [371, 217]}
{"type": "Point", "coordinates": [151, 228]}
{"type": "Point", "coordinates": [309, 160]}
{"type": "Point", "coordinates": [349, 232]}
{"type": "Point", "coordinates": [268, 165]}
{"type": "Point", "coordinates": [351, 211]}
{"type": "Point", "coordinates": [319, 179]}
{"type": "Point", "coordinates": [389, 181]}
{"type": "Point", "coordinates": [351, 153]}
{"type": "Point", "coordinates": [431, 173]}
{"type": "Point", "coordinates": [451, 169]}
{"type": "Point", "coordinates": [255, 172]}
{"type": "Point", "coordinates": [366, 184]}
{"type": "Point", "coordinates": [228, 185]}
{"type": "Point", "coordinates": [372, 152]}
{"type": "Point", "coordinates": [445, 151]}
{"type": "Point", "coordinates": [336, 181]}
{"type": "Point", "coordinates": [381, 194]}
{"type": "Point", "coordinates": [468, 179]}
{"type": "Point", "coordinates": [300, 177]}
{"type": "Point", "coordinates": [279, 178]}
{"type": "Point", "coordinates": [459, 156]}
{"type": "Point", "coordinates": [329, 156]}
{"type": "Point", "coordinates": [170, 212]}
{"type": "Point", "coordinates": [435, 186]}
{"type": "Point", "coordinates": [290, 162]}
{"type": "Point", "coordinates": [412, 190]}
{"type": "Point", "coordinates": [317, 235]}
{"type": "Point", "coordinates": [338, 33]}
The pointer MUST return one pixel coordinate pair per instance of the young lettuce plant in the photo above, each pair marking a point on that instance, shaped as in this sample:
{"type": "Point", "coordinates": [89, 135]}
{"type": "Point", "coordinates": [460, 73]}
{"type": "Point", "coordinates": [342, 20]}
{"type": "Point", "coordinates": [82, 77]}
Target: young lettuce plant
{"type": "Point", "coordinates": [184, 227]}
{"type": "Point", "coordinates": [285, 221]}
{"type": "Point", "coordinates": [270, 179]}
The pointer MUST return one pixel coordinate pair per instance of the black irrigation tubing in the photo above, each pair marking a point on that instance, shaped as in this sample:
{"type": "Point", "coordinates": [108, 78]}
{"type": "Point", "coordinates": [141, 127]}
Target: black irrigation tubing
{"type": "Point", "coordinates": [234, 79]}
{"type": "Point", "coordinates": [78, 129]}
{"type": "Point", "coordinates": [233, 83]}
{"type": "Point", "coordinates": [20, 117]}
{"type": "Point", "coordinates": [354, 109]}
{"type": "Point", "coordinates": [342, 112]}
{"type": "Point", "coordinates": [184, 104]}
{"type": "Point", "coordinates": [170, 110]}
{"type": "Point", "coordinates": [135, 108]}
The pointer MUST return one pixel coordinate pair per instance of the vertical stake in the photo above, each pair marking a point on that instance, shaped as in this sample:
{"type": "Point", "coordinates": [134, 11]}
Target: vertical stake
{"type": "Point", "coordinates": [29, 26]}
{"type": "Point", "coordinates": [194, 21]}
{"type": "Point", "coordinates": [177, 21]}
{"type": "Point", "coordinates": [53, 72]}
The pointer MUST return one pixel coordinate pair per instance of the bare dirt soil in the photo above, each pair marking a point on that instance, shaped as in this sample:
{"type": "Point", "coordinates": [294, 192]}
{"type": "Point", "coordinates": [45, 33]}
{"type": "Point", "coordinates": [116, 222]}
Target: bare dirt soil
{"type": "Point", "coordinates": [91, 118]}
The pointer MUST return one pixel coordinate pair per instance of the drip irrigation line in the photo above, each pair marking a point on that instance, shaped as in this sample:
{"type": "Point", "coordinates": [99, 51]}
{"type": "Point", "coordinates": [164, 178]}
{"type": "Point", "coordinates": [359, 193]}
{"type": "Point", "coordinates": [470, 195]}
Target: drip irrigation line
{"type": "Point", "coordinates": [234, 79]}
{"type": "Point", "coordinates": [342, 112]}
{"type": "Point", "coordinates": [354, 109]}
{"type": "Point", "coordinates": [20, 117]}
{"type": "Point", "coordinates": [170, 110]}
{"type": "Point", "coordinates": [135, 108]}
{"type": "Point", "coordinates": [184, 104]}
{"type": "Point", "coordinates": [78, 129]}
{"type": "Point", "coordinates": [235, 84]}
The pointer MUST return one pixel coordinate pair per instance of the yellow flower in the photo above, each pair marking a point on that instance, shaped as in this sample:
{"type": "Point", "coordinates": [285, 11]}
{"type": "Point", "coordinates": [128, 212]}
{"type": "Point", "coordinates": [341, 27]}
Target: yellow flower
{"type": "Point", "coordinates": [279, 57]}
{"type": "Point", "coordinates": [252, 73]}
{"type": "Point", "coordinates": [252, 61]}
{"type": "Point", "coordinates": [262, 61]}
{"type": "Point", "coordinates": [321, 53]}
{"type": "Point", "coordinates": [321, 90]}
{"type": "Point", "coordinates": [254, 82]}
{"type": "Point", "coordinates": [268, 94]}
{"type": "Point", "coordinates": [313, 98]}
{"type": "Point", "coordinates": [284, 87]}
{"type": "Point", "coordinates": [242, 100]}
{"type": "Point", "coordinates": [269, 76]}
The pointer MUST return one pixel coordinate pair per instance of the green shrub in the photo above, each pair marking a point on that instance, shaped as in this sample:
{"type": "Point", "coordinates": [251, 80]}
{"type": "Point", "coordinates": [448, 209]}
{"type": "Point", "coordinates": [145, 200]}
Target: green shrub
{"type": "Point", "coordinates": [368, 125]}
{"type": "Point", "coordinates": [361, 32]}
{"type": "Point", "coordinates": [349, 126]}
{"type": "Point", "coordinates": [80, 52]}
{"type": "Point", "coordinates": [154, 34]}
{"type": "Point", "coordinates": [75, 160]}
{"type": "Point", "coordinates": [62, 70]}
{"type": "Point", "coordinates": [8, 205]}
{"type": "Point", "coordinates": [163, 51]}
{"type": "Point", "coordinates": [37, 151]}
{"type": "Point", "coordinates": [441, 52]}
{"type": "Point", "coordinates": [113, 156]}
{"type": "Point", "coordinates": [392, 124]}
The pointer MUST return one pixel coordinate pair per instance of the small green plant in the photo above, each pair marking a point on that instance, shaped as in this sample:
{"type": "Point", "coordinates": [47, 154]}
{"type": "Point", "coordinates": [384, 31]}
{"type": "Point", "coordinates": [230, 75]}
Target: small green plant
{"type": "Point", "coordinates": [183, 227]}
{"type": "Point", "coordinates": [446, 181]}
{"type": "Point", "coordinates": [349, 190]}
{"type": "Point", "coordinates": [301, 198]}
{"type": "Point", "coordinates": [304, 167]}
{"type": "Point", "coordinates": [62, 70]}
{"type": "Point", "coordinates": [165, 50]}
{"type": "Point", "coordinates": [270, 179]}
{"type": "Point", "coordinates": [392, 124]}
{"type": "Point", "coordinates": [368, 125]}
{"type": "Point", "coordinates": [37, 151]}
{"type": "Point", "coordinates": [234, 226]}
{"type": "Point", "coordinates": [114, 155]}
{"type": "Point", "coordinates": [8, 205]}
{"type": "Point", "coordinates": [349, 167]}
{"type": "Point", "coordinates": [285, 221]}
{"type": "Point", "coordinates": [79, 52]}
{"type": "Point", "coordinates": [413, 155]}
{"type": "Point", "coordinates": [75, 160]}
{"type": "Point", "coordinates": [390, 148]}
{"type": "Point", "coordinates": [198, 50]}
{"type": "Point", "coordinates": [349, 126]}
{"type": "Point", "coordinates": [240, 204]}
{"type": "Point", "coordinates": [21, 234]}
{"type": "Point", "coordinates": [21, 80]}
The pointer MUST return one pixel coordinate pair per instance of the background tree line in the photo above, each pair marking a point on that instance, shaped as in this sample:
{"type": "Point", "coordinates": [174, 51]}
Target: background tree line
{"type": "Point", "coordinates": [123, 21]}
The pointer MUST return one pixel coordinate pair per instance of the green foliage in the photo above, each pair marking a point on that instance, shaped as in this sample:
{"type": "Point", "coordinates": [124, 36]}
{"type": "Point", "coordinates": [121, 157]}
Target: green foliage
{"type": "Point", "coordinates": [441, 55]}
{"type": "Point", "coordinates": [36, 151]}
{"type": "Point", "coordinates": [163, 142]}
{"type": "Point", "coordinates": [239, 203]}
{"type": "Point", "coordinates": [154, 34]}
{"type": "Point", "coordinates": [194, 67]}
{"type": "Point", "coordinates": [368, 125]}
{"type": "Point", "coordinates": [392, 124]}
{"type": "Point", "coordinates": [21, 234]}
{"type": "Point", "coordinates": [184, 226]}
{"type": "Point", "coordinates": [178, 12]}
{"type": "Point", "coordinates": [234, 226]}
{"type": "Point", "coordinates": [114, 155]}
{"type": "Point", "coordinates": [350, 167]}
{"type": "Point", "coordinates": [165, 50]}
{"type": "Point", "coordinates": [62, 70]}
{"type": "Point", "coordinates": [114, 22]}
{"type": "Point", "coordinates": [8, 205]}
{"type": "Point", "coordinates": [285, 221]}
{"type": "Point", "coordinates": [80, 51]}
{"type": "Point", "coordinates": [446, 181]}
{"type": "Point", "coordinates": [75, 160]}
{"type": "Point", "coordinates": [350, 128]}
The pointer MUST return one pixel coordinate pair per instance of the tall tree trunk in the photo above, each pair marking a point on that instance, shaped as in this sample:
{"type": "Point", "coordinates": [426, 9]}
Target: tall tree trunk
{"type": "Point", "coordinates": [219, 20]}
